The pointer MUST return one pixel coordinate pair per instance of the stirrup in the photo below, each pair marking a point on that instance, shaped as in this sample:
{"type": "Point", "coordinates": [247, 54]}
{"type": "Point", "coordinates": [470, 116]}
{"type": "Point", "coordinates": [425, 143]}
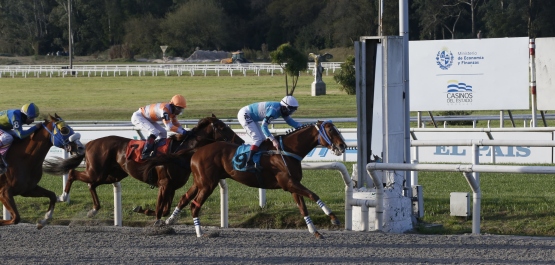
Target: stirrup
{"type": "Point", "coordinates": [147, 155]}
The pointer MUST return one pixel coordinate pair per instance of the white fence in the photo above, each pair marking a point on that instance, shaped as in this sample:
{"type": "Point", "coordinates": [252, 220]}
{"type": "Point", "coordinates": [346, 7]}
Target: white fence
{"type": "Point", "coordinates": [151, 70]}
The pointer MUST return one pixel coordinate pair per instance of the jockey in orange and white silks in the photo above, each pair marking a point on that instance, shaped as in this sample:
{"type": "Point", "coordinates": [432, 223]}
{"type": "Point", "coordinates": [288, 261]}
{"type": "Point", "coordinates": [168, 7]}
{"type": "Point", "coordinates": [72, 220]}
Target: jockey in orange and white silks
{"type": "Point", "coordinates": [147, 117]}
{"type": "Point", "coordinates": [11, 125]}
{"type": "Point", "coordinates": [265, 112]}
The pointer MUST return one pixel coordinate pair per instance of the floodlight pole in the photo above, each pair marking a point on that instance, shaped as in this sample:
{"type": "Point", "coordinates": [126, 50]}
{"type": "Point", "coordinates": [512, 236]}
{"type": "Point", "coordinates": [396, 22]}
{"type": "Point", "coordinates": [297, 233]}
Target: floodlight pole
{"type": "Point", "coordinates": [69, 34]}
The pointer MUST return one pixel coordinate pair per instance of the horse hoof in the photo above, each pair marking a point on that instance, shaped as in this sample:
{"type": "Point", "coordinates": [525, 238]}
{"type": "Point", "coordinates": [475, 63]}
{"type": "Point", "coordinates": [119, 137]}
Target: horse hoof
{"type": "Point", "coordinates": [138, 209]}
{"type": "Point", "coordinates": [40, 224]}
{"type": "Point", "coordinates": [92, 213]}
{"type": "Point", "coordinates": [61, 198]}
{"type": "Point", "coordinates": [318, 235]}
{"type": "Point", "coordinates": [170, 221]}
{"type": "Point", "coordinates": [159, 223]}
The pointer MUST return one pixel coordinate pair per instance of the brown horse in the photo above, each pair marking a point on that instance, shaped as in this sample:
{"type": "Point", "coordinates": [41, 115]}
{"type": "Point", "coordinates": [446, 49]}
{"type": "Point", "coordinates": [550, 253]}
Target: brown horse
{"type": "Point", "coordinates": [24, 171]}
{"type": "Point", "coordinates": [281, 169]}
{"type": "Point", "coordinates": [107, 163]}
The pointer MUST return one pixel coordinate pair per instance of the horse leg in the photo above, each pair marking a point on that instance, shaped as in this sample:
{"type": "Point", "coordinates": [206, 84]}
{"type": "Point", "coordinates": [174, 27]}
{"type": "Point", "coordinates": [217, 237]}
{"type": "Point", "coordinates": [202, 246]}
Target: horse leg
{"type": "Point", "coordinates": [185, 199]}
{"type": "Point", "coordinates": [67, 188]}
{"type": "Point", "coordinates": [8, 201]}
{"type": "Point", "coordinates": [39, 191]}
{"type": "Point", "coordinates": [304, 212]}
{"type": "Point", "coordinates": [303, 191]}
{"type": "Point", "coordinates": [197, 203]}
{"type": "Point", "coordinates": [96, 201]}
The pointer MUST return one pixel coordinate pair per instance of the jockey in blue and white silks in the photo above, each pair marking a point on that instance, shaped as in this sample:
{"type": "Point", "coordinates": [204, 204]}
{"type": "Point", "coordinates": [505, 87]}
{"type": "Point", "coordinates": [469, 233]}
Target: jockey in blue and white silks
{"type": "Point", "coordinates": [11, 125]}
{"type": "Point", "coordinates": [265, 112]}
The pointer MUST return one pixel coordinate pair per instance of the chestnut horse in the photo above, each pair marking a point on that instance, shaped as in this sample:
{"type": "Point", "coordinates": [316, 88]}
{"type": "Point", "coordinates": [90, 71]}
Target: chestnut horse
{"type": "Point", "coordinates": [25, 159]}
{"type": "Point", "coordinates": [106, 163]}
{"type": "Point", "coordinates": [281, 169]}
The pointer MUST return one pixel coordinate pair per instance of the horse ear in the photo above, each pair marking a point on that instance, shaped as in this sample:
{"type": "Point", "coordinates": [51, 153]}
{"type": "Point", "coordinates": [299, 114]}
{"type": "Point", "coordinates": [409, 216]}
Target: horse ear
{"type": "Point", "coordinates": [213, 116]}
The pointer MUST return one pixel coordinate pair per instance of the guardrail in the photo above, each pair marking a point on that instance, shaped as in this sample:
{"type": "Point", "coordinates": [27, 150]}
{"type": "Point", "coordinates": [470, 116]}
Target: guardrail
{"type": "Point", "coordinates": [151, 70]}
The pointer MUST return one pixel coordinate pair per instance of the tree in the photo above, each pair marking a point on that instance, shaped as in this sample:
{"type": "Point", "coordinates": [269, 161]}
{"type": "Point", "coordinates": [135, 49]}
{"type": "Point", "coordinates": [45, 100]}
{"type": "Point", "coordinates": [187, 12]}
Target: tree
{"type": "Point", "coordinates": [346, 76]}
{"type": "Point", "coordinates": [25, 24]}
{"type": "Point", "coordinates": [292, 61]}
{"type": "Point", "coordinates": [197, 23]}
{"type": "Point", "coordinates": [141, 34]}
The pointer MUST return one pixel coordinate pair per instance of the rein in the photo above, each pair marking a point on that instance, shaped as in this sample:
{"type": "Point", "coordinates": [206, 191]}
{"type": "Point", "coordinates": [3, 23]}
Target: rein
{"type": "Point", "coordinates": [322, 133]}
{"type": "Point", "coordinates": [56, 138]}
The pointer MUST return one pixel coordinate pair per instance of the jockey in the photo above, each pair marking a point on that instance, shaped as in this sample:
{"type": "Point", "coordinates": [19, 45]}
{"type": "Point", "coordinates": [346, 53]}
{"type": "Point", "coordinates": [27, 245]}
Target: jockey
{"type": "Point", "coordinates": [11, 124]}
{"type": "Point", "coordinates": [146, 118]}
{"type": "Point", "coordinates": [250, 115]}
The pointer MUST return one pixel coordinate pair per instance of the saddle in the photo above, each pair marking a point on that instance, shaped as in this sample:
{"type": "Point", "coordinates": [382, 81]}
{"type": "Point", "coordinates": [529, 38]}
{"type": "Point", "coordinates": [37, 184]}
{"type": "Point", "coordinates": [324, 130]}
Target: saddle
{"type": "Point", "coordinates": [240, 157]}
{"type": "Point", "coordinates": [135, 147]}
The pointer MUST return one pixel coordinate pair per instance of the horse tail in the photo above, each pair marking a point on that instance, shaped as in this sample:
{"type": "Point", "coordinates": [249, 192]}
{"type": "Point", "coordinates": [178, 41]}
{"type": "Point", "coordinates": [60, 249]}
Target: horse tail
{"type": "Point", "coordinates": [60, 166]}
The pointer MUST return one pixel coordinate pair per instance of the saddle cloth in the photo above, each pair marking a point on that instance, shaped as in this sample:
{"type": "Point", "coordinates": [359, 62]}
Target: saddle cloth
{"type": "Point", "coordinates": [240, 157]}
{"type": "Point", "coordinates": [135, 148]}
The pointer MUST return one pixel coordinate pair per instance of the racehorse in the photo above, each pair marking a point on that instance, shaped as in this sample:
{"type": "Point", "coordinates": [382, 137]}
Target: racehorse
{"type": "Point", "coordinates": [107, 163]}
{"type": "Point", "coordinates": [281, 169]}
{"type": "Point", "coordinates": [25, 159]}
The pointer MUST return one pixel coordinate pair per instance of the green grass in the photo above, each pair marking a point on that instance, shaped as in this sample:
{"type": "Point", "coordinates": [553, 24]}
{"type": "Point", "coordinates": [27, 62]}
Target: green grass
{"type": "Point", "coordinates": [512, 204]}
{"type": "Point", "coordinates": [116, 98]}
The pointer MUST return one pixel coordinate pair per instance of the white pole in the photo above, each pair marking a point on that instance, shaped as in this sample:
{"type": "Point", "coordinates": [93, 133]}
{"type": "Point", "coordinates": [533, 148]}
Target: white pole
{"type": "Point", "coordinates": [404, 32]}
{"type": "Point", "coordinates": [532, 59]}
{"type": "Point", "coordinates": [7, 215]}
{"type": "Point", "coordinates": [117, 204]}
{"type": "Point", "coordinates": [65, 177]}
{"type": "Point", "coordinates": [224, 204]}
{"type": "Point", "coordinates": [262, 198]}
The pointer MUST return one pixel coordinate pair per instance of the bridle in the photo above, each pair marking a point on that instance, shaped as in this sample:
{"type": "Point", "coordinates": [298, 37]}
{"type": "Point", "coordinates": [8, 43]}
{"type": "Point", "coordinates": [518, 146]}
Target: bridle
{"type": "Point", "coordinates": [61, 136]}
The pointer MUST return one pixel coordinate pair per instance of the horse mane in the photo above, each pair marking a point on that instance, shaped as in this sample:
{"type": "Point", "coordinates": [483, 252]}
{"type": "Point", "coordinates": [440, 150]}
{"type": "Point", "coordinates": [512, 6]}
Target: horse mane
{"type": "Point", "coordinates": [290, 131]}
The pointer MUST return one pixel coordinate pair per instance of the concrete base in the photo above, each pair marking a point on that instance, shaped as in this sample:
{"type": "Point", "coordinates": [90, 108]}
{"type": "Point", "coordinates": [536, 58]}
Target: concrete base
{"type": "Point", "coordinates": [318, 88]}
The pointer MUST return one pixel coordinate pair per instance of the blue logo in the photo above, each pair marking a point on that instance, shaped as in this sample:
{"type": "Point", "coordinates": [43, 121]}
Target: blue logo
{"type": "Point", "coordinates": [456, 86]}
{"type": "Point", "coordinates": [444, 59]}
{"type": "Point", "coordinates": [458, 92]}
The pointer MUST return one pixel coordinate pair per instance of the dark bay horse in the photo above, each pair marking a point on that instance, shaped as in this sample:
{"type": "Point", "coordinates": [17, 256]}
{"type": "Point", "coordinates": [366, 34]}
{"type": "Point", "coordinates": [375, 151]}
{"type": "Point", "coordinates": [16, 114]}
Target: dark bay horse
{"type": "Point", "coordinates": [281, 169]}
{"type": "Point", "coordinates": [25, 158]}
{"type": "Point", "coordinates": [106, 163]}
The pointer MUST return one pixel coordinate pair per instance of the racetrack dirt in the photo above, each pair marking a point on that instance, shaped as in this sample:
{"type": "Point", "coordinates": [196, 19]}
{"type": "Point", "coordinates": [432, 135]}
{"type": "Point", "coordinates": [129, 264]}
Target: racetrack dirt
{"type": "Point", "coordinates": [54, 244]}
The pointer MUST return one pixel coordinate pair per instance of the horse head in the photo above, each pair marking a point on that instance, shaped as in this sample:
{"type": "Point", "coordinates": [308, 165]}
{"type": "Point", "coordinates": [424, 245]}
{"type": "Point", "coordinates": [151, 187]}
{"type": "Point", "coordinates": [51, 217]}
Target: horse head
{"type": "Point", "coordinates": [213, 129]}
{"type": "Point", "coordinates": [330, 137]}
{"type": "Point", "coordinates": [63, 136]}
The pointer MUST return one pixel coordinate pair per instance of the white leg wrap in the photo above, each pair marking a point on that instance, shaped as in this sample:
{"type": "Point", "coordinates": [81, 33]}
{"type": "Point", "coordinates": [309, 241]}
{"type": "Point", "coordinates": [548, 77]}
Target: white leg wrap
{"type": "Point", "coordinates": [48, 216]}
{"type": "Point", "coordinates": [173, 217]}
{"type": "Point", "coordinates": [176, 212]}
{"type": "Point", "coordinates": [196, 221]}
{"type": "Point", "coordinates": [325, 208]}
{"type": "Point", "coordinates": [63, 197]}
{"type": "Point", "coordinates": [309, 224]}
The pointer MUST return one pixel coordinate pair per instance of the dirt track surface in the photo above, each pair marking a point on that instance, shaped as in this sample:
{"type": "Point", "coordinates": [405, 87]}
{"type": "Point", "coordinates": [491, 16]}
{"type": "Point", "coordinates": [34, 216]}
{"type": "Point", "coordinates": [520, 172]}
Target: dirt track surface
{"type": "Point", "coordinates": [24, 244]}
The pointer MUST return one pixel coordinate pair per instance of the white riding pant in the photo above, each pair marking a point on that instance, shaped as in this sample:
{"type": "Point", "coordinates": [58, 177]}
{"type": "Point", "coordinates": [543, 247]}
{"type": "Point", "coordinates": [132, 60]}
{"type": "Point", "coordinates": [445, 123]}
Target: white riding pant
{"type": "Point", "coordinates": [146, 125]}
{"type": "Point", "coordinates": [251, 127]}
{"type": "Point", "coordinates": [6, 140]}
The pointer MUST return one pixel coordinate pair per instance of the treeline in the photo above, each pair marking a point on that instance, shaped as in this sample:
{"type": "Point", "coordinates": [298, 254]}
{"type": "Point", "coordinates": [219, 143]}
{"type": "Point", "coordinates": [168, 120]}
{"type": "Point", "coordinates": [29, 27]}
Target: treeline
{"type": "Point", "coordinates": [140, 27]}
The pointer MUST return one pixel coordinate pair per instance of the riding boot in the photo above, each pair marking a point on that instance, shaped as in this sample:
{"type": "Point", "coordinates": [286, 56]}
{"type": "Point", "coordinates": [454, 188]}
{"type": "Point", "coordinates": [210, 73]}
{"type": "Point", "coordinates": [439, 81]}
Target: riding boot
{"type": "Point", "coordinates": [3, 164]}
{"type": "Point", "coordinates": [148, 150]}
{"type": "Point", "coordinates": [250, 158]}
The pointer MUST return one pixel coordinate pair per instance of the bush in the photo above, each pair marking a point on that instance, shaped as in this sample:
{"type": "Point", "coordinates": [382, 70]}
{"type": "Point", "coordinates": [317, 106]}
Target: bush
{"type": "Point", "coordinates": [346, 76]}
{"type": "Point", "coordinates": [120, 51]}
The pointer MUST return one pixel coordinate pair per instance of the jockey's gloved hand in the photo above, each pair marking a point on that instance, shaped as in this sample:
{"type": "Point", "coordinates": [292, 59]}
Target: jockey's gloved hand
{"type": "Point", "coordinates": [275, 143]}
